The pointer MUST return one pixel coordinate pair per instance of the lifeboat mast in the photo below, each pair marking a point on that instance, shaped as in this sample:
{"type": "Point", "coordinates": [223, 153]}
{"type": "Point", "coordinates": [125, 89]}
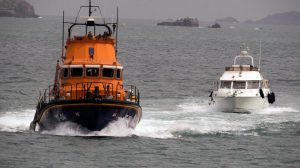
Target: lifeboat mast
{"type": "Point", "coordinates": [89, 23]}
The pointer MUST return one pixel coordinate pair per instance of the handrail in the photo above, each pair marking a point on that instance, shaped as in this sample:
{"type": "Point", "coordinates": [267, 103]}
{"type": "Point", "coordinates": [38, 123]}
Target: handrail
{"type": "Point", "coordinates": [83, 90]}
{"type": "Point", "coordinates": [85, 24]}
{"type": "Point", "coordinates": [241, 68]}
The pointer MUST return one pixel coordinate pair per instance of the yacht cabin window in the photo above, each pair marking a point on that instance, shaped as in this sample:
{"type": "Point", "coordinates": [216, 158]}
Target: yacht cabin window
{"type": "Point", "coordinates": [252, 84]}
{"type": "Point", "coordinates": [76, 72]}
{"type": "Point", "coordinates": [264, 84]}
{"type": "Point", "coordinates": [225, 85]}
{"type": "Point", "coordinates": [239, 85]}
{"type": "Point", "coordinates": [108, 72]}
{"type": "Point", "coordinates": [92, 72]}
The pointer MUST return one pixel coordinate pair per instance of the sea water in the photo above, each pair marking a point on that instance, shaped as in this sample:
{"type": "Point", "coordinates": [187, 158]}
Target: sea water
{"type": "Point", "coordinates": [174, 68]}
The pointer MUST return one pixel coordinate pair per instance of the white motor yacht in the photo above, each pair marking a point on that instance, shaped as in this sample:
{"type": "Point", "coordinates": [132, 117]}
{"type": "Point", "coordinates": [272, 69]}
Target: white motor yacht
{"type": "Point", "coordinates": [241, 88]}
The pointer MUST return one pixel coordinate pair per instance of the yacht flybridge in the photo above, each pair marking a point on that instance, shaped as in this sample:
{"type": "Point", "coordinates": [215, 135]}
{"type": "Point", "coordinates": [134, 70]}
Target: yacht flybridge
{"type": "Point", "coordinates": [88, 86]}
{"type": "Point", "coordinates": [242, 88]}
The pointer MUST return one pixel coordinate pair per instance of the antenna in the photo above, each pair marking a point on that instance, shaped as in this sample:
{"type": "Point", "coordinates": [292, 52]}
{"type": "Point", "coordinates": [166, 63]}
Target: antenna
{"type": "Point", "coordinates": [259, 55]}
{"type": "Point", "coordinates": [117, 29]}
{"type": "Point", "coordinates": [63, 36]}
{"type": "Point", "coordinates": [90, 8]}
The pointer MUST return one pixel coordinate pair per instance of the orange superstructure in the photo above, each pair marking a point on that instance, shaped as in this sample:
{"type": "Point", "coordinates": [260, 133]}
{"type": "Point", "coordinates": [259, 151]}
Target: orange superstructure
{"type": "Point", "coordinates": [90, 65]}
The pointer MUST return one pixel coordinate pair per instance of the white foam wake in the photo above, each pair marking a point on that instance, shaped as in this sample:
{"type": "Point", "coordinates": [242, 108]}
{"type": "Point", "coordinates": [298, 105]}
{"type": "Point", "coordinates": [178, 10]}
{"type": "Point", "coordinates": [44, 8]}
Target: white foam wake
{"type": "Point", "coordinates": [197, 117]}
{"type": "Point", "coordinates": [190, 117]}
{"type": "Point", "coordinates": [118, 128]}
{"type": "Point", "coordinates": [277, 110]}
{"type": "Point", "coordinates": [14, 121]}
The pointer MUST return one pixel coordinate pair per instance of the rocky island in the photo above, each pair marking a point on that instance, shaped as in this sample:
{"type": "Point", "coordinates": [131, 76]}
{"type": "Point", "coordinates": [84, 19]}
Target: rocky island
{"type": "Point", "coordinates": [286, 18]}
{"type": "Point", "coordinates": [227, 20]}
{"type": "Point", "coordinates": [16, 8]}
{"type": "Point", "coordinates": [188, 22]}
{"type": "Point", "coordinates": [216, 25]}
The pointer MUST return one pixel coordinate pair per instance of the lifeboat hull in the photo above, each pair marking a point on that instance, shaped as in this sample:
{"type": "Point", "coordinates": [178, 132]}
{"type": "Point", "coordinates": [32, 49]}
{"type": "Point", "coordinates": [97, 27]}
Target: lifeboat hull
{"type": "Point", "coordinates": [240, 104]}
{"type": "Point", "coordinates": [93, 115]}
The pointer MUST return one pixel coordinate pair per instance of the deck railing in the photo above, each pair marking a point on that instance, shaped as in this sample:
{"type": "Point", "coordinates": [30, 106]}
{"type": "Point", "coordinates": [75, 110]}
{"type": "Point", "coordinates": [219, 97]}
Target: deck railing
{"type": "Point", "coordinates": [90, 90]}
{"type": "Point", "coordinates": [241, 68]}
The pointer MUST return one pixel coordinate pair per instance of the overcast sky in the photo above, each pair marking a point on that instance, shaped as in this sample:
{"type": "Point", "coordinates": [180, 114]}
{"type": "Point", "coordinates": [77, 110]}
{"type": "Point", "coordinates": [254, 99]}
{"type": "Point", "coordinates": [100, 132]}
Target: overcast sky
{"type": "Point", "coordinates": [204, 10]}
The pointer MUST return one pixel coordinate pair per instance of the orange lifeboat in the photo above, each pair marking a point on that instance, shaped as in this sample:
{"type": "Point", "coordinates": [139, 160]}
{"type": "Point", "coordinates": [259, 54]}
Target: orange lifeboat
{"type": "Point", "coordinates": [88, 87]}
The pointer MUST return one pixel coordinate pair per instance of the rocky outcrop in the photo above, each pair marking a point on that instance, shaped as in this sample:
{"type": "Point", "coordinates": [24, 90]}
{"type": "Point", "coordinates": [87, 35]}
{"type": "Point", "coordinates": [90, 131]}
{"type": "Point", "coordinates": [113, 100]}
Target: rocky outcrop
{"type": "Point", "coordinates": [286, 18]}
{"type": "Point", "coordinates": [189, 22]}
{"type": "Point", "coordinates": [16, 8]}
{"type": "Point", "coordinates": [216, 25]}
{"type": "Point", "coordinates": [228, 20]}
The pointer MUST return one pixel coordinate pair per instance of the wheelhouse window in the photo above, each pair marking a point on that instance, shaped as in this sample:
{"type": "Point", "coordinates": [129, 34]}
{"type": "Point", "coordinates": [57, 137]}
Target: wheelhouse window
{"type": "Point", "coordinates": [108, 72]}
{"type": "Point", "coordinates": [119, 73]}
{"type": "Point", "coordinates": [252, 84]}
{"type": "Point", "coordinates": [65, 72]}
{"type": "Point", "coordinates": [92, 72]}
{"type": "Point", "coordinates": [239, 84]}
{"type": "Point", "coordinates": [225, 85]}
{"type": "Point", "coordinates": [76, 72]}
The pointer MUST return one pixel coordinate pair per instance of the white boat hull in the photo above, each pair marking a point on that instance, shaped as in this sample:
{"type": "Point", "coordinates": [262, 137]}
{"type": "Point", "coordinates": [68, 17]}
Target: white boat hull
{"type": "Point", "coordinates": [240, 104]}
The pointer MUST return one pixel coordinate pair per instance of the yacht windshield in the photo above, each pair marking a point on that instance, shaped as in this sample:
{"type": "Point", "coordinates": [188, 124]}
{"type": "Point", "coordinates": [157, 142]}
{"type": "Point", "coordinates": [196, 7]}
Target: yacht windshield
{"type": "Point", "coordinates": [225, 85]}
{"type": "Point", "coordinates": [252, 84]}
{"type": "Point", "coordinates": [239, 84]}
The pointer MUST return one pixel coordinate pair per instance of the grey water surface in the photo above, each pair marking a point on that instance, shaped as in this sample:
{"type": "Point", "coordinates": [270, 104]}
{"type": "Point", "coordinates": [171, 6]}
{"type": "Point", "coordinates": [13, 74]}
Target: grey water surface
{"type": "Point", "coordinates": [174, 68]}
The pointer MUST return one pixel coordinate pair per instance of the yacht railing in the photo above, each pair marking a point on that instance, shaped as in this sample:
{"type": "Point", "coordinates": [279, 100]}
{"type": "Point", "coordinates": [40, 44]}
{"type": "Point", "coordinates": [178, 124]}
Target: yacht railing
{"type": "Point", "coordinates": [241, 68]}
